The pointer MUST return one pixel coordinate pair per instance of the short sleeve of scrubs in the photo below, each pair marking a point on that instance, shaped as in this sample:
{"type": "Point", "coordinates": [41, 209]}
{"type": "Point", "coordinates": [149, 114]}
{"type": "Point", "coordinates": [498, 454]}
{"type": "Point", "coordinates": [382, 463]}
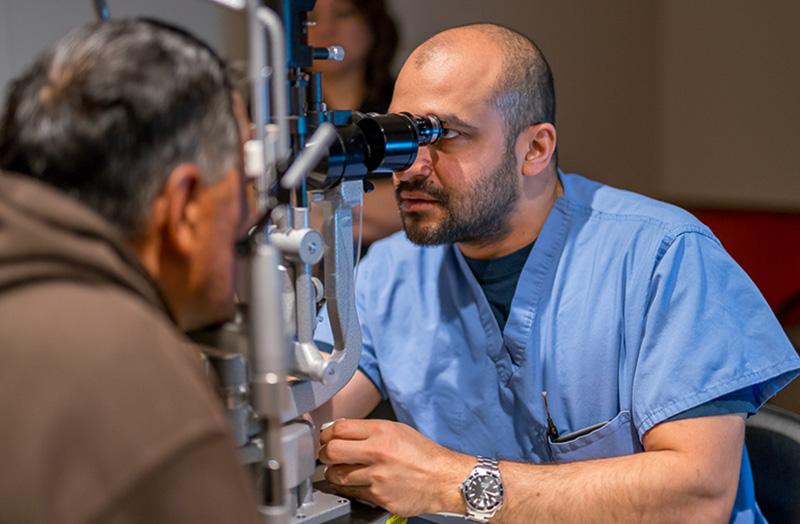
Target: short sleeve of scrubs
{"type": "Point", "coordinates": [703, 326]}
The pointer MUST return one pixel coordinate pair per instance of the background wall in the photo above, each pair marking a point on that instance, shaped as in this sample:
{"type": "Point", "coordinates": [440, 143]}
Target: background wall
{"type": "Point", "coordinates": [729, 99]}
{"type": "Point", "coordinates": [29, 26]}
{"type": "Point", "coordinates": [693, 102]}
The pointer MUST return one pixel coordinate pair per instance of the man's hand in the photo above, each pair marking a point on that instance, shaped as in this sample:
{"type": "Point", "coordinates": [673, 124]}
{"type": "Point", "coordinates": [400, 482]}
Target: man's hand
{"type": "Point", "coordinates": [393, 466]}
{"type": "Point", "coordinates": [688, 473]}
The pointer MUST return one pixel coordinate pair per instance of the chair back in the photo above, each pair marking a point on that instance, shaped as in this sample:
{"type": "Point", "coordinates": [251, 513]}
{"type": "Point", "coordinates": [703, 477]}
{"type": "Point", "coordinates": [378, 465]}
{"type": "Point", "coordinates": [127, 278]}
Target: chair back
{"type": "Point", "coordinates": [772, 437]}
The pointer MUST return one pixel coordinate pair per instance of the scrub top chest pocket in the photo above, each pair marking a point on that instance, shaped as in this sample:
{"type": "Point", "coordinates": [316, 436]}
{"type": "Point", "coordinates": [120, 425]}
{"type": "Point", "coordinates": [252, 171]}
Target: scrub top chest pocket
{"type": "Point", "coordinates": [614, 438]}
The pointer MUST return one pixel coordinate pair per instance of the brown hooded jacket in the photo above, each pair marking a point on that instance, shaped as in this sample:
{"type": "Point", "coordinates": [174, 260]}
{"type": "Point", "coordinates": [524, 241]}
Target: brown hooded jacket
{"type": "Point", "coordinates": [106, 414]}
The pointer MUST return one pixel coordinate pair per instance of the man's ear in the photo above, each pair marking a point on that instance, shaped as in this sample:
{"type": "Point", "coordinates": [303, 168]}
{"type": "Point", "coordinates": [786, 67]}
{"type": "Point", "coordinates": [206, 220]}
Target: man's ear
{"type": "Point", "coordinates": [182, 213]}
{"type": "Point", "coordinates": [538, 142]}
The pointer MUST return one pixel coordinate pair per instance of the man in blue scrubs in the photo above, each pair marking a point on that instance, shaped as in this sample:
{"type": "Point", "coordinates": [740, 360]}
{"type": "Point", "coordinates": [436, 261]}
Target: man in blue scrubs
{"type": "Point", "coordinates": [513, 279]}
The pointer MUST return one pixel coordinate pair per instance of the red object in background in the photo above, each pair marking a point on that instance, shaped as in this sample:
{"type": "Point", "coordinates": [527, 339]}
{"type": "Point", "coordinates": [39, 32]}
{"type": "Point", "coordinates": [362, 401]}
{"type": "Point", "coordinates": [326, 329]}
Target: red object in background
{"type": "Point", "coordinates": [765, 243]}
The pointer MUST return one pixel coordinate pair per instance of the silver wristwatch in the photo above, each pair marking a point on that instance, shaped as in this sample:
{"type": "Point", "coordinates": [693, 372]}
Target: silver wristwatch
{"type": "Point", "coordinates": [483, 490]}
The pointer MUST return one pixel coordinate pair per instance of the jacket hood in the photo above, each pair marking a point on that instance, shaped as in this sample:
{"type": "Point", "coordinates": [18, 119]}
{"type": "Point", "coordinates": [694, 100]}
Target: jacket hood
{"type": "Point", "coordinates": [46, 235]}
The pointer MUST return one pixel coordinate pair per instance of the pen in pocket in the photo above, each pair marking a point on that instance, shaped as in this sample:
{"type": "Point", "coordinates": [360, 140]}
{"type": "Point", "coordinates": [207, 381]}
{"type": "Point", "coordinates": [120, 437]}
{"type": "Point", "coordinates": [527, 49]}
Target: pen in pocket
{"type": "Point", "coordinates": [552, 432]}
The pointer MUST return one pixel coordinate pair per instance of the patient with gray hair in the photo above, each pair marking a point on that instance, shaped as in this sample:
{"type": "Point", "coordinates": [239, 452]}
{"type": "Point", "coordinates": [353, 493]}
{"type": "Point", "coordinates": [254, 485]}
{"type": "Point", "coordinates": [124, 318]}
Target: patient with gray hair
{"type": "Point", "coordinates": [121, 200]}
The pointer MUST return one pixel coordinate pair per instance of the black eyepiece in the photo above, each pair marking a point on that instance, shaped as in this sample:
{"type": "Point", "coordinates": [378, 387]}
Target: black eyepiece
{"type": "Point", "coordinates": [375, 143]}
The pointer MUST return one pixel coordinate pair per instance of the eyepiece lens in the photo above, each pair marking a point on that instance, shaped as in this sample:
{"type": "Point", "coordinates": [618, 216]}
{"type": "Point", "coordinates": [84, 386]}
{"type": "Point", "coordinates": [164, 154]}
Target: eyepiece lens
{"type": "Point", "coordinates": [429, 129]}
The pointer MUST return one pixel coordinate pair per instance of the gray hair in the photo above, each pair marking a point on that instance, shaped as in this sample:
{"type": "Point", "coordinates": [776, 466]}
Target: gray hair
{"type": "Point", "coordinates": [113, 108]}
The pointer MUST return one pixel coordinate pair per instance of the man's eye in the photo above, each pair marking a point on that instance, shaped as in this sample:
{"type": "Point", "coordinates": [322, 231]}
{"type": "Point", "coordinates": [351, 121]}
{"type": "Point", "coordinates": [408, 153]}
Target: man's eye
{"type": "Point", "coordinates": [449, 133]}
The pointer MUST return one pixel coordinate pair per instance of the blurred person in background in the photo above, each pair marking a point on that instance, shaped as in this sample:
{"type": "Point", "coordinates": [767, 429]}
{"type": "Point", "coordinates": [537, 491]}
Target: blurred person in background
{"type": "Point", "coordinates": [363, 82]}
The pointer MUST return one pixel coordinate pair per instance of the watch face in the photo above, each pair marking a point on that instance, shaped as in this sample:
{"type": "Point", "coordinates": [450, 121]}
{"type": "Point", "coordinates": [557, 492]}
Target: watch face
{"type": "Point", "coordinates": [484, 492]}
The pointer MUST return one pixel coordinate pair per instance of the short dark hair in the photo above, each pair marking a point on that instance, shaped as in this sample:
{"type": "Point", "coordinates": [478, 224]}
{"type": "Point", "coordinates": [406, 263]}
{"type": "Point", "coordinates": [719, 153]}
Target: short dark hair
{"type": "Point", "coordinates": [113, 108]}
{"type": "Point", "coordinates": [524, 93]}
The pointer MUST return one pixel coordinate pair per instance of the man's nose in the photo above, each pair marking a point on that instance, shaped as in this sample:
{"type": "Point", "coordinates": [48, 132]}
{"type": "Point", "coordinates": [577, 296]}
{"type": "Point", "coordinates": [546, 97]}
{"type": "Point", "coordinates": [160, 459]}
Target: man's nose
{"type": "Point", "coordinates": [422, 166]}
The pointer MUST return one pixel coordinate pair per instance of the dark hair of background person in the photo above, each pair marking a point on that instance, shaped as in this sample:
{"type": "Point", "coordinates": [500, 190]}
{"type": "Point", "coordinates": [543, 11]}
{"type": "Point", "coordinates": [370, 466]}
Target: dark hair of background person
{"type": "Point", "coordinates": [108, 113]}
{"type": "Point", "coordinates": [378, 74]}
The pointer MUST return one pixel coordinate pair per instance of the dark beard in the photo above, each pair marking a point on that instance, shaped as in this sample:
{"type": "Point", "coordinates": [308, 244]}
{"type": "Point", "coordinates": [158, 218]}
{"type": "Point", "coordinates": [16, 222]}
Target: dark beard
{"type": "Point", "coordinates": [480, 216]}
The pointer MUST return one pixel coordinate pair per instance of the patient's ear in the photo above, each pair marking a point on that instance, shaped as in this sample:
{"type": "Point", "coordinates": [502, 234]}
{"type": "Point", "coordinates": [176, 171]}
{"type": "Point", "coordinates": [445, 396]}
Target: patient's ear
{"type": "Point", "coordinates": [182, 212]}
{"type": "Point", "coordinates": [538, 142]}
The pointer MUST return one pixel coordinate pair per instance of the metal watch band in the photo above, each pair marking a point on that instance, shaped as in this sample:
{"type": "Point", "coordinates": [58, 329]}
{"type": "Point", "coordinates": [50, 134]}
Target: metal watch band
{"type": "Point", "coordinates": [487, 463]}
{"type": "Point", "coordinates": [485, 466]}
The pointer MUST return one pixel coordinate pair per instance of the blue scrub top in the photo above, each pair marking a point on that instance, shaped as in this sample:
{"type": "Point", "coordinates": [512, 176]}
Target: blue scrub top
{"type": "Point", "coordinates": [628, 310]}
